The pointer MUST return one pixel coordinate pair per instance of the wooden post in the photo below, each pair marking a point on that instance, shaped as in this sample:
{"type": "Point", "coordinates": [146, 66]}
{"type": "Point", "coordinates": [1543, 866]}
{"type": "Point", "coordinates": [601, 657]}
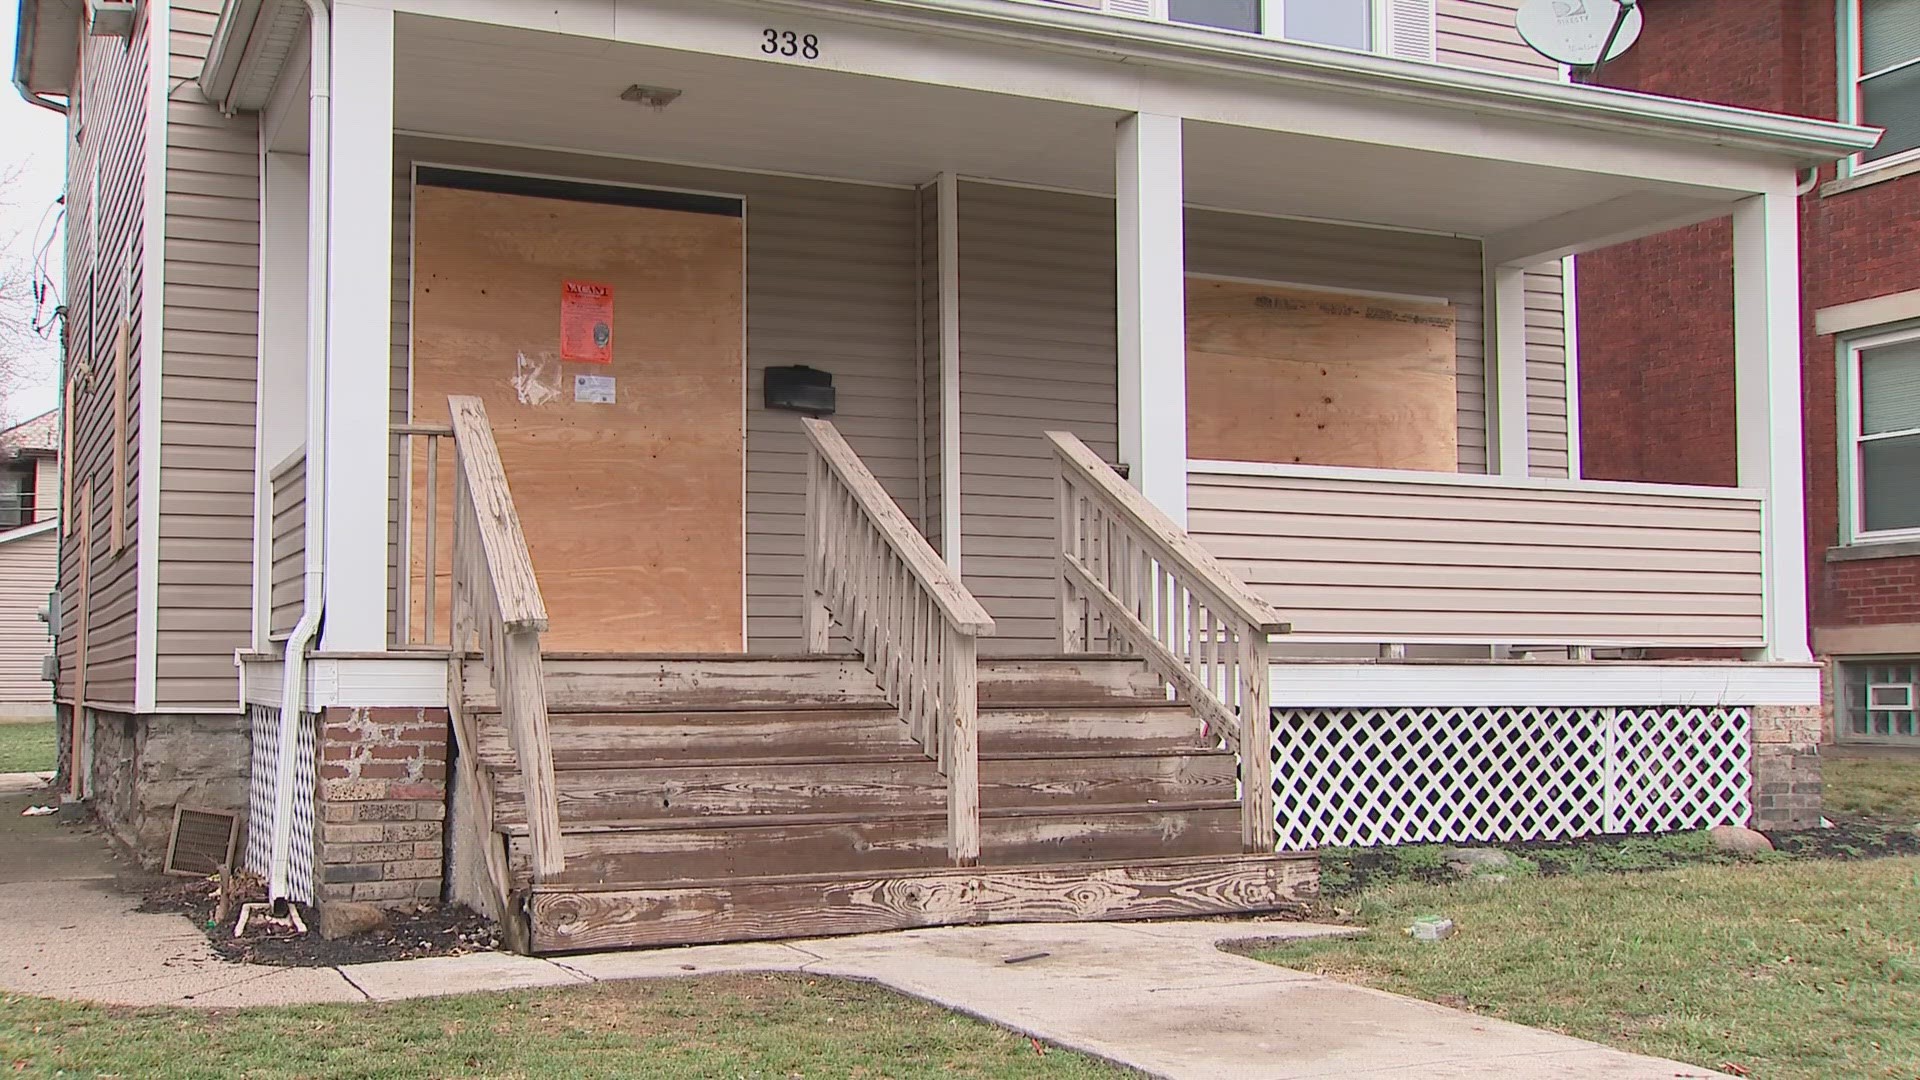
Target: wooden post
{"type": "Point", "coordinates": [1258, 829]}
{"type": "Point", "coordinates": [814, 614]}
{"type": "Point", "coordinates": [963, 749]}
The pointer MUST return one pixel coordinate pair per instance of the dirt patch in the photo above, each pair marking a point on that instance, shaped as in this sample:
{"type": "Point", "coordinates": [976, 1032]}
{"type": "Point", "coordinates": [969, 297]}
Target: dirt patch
{"type": "Point", "coordinates": [424, 930]}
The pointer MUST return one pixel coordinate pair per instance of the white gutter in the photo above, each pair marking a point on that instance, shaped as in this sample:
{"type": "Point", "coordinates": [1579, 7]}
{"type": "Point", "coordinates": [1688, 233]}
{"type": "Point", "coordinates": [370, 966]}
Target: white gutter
{"type": "Point", "coordinates": [319, 172]}
{"type": "Point", "coordinates": [1170, 45]}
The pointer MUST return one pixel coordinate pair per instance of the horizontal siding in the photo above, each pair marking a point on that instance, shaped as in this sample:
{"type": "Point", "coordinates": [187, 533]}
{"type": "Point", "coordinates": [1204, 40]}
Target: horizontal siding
{"type": "Point", "coordinates": [831, 281]}
{"type": "Point", "coordinates": [108, 129]}
{"type": "Point", "coordinates": [1400, 561]}
{"type": "Point", "coordinates": [288, 546]}
{"type": "Point", "coordinates": [211, 320]}
{"type": "Point", "coordinates": [27, 569]}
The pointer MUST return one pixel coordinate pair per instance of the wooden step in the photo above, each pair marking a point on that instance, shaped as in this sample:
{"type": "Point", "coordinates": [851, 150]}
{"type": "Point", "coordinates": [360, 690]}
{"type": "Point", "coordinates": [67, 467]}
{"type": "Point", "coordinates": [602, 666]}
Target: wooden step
{"type": "Point", "coordinates": [601, 739]}
{"type": "Point", "coordinates": [652, 793]}
{"type": "Point", "coordinates": [643, 852]}
{"type": "Point", "coordinates": [570, 919]}
{"type": "Point", "coordinates": [576, 681]}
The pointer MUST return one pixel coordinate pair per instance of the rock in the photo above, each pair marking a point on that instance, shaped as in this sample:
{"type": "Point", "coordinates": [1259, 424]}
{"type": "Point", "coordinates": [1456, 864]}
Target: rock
{"type": "Point", "coordinates": [343, 918]}
{"type": "Point", "coordinates": [1474, 860]}
{"type": "Point", "coordinates": [1739, 841]}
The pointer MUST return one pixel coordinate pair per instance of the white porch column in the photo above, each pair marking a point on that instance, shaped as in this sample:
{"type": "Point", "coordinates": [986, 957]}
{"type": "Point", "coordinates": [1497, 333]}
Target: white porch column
{"type": "Point", "coordinates": [1767, 408]}
{"type": "Point", "coordinates": [1504, 350]}
{"type": "Point", "coordinates": [1153, 309]}
{"type": "Point", "coordinates": [360, 287]}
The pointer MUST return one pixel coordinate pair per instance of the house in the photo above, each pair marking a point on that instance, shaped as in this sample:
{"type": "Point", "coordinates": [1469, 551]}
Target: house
{"type": "Point", "coordinates": [1663, 405]}
{"type": "Point", "coordinates": [653, 470]}
{"type": "Point", "coordinates": [29, 505]}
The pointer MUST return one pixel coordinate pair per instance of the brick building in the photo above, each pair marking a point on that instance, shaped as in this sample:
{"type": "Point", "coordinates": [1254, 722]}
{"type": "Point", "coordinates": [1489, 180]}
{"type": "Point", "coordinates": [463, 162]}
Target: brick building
{"type": "Point", "coordinates": [1659, 405]}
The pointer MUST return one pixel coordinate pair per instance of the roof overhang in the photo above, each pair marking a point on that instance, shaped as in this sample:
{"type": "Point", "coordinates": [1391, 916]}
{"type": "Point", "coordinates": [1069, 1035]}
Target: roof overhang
{"type": "Point", "coordinates": [46, 49]}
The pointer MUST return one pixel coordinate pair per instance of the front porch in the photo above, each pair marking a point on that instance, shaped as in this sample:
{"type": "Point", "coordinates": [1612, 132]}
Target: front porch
{"type": "Point", "coordinates": [1018, 276]}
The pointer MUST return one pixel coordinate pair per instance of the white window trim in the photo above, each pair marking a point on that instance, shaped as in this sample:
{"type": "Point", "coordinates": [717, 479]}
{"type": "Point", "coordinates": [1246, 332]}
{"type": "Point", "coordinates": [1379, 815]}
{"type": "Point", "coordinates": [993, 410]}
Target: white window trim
{"type": "Point", "coordinates": [1853, 516]}
{"type": "Point", "coordinates": [1848, 12]}
{"type": "Point", "coordinates": [1273, 24]}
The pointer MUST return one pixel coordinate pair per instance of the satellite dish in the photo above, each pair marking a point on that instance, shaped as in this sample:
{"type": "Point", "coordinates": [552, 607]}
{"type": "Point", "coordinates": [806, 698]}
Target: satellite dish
{"type": "Point", "coordinates": [1575, 31]}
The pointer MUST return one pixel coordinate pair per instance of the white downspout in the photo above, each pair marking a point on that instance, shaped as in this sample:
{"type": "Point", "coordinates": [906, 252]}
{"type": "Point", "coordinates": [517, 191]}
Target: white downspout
{"type": "Point", "coordinates": [292, 696]}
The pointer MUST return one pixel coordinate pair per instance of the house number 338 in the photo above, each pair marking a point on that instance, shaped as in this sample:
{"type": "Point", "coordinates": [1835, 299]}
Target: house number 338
{"type": "Point", "coordinates": [788, 43]}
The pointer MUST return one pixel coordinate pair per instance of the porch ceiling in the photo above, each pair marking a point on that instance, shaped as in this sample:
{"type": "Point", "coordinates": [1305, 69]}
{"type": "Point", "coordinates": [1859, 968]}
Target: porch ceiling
{"type": "Point", "coordinates": [492, 83]}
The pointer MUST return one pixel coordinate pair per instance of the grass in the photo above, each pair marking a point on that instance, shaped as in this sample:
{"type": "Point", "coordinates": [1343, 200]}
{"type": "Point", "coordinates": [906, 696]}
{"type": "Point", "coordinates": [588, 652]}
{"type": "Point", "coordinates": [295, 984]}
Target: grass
{"type": "Point", "coordinates": [734, 1027]}
{"type": "Point", "coordinates": [1783, 966]}
{"type": "Point", "coordinates": [1880, 786]}
{"type": "Point", "coordinates": [26, 747]}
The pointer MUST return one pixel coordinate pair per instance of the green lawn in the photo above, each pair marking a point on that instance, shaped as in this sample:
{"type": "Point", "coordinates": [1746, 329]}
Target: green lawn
{"type": "Point", "coordinates": [734, 1027]}
{"type": "Point", "coordinates": [1784, 967]}
{"type": "Point", "coordinates": [26, 747]}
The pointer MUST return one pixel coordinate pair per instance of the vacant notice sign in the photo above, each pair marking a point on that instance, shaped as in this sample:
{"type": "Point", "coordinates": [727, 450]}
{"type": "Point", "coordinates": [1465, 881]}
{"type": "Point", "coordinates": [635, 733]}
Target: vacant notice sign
{"type": "Point", "coordinates": [586, 322]}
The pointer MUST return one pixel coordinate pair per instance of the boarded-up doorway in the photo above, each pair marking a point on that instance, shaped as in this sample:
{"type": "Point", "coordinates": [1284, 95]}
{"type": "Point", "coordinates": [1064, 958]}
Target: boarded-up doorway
{"type": "Point", "coordinates": [1301, 376]}
{"type": "Point", "coordinates": [603, 328]}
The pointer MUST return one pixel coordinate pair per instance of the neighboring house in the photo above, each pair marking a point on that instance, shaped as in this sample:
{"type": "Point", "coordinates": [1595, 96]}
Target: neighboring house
{"type": "Point", "coordinates": [425, 322]}
{"type": "Point", "coordinates": [1661, 405]}
{"type": "Point", "coordinates": [29, 508]}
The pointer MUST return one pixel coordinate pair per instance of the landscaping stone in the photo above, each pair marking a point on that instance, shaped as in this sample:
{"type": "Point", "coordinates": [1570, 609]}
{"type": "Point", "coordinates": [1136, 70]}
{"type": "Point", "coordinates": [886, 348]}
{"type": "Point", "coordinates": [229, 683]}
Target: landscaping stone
{"type": "Point", "coordinates": [1739, 841]}
{"type": "Point", "coordinates": [344, 918]}
{"type": "Point", "coordinates": [1473, 860]}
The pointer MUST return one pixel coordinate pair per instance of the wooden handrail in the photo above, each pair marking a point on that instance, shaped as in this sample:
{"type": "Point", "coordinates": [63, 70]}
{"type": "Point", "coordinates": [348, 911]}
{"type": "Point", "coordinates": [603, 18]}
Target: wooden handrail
{"type": "Point", "coordinates": [1131, 577]}
{"type": "Point", "coordinates": [497, 607]}
{"type": "Point", "coordinates": [909, 616]}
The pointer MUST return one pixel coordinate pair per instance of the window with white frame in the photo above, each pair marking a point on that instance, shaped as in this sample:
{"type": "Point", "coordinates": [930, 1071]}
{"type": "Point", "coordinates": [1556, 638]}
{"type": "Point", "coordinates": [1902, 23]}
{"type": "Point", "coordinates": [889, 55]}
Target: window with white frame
{"type": "Point", "coordinates": [1882, 86]}
{"type": "Point", "coordinates": [1883, 379]}
{"type": "Point", "coordinates": [1880, 699]}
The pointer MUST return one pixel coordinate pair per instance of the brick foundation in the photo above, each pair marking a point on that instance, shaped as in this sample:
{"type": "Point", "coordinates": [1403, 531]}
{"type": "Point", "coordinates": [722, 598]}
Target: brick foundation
{"type": "Point", "coordinates": [1786, 766]}
{"type": "Point", "coordinates": [380, 805]}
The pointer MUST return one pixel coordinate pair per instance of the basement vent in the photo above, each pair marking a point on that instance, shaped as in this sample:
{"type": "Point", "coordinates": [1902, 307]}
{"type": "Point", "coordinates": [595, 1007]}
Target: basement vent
{"type": "Point", "coordinates": [203, 841]}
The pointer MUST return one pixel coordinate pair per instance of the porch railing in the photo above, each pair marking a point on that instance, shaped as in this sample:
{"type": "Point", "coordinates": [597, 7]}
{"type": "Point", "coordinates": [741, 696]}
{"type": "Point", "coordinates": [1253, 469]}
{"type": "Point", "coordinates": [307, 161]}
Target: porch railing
{"type": "Point", "coordinates": [905, 611]}
{"type": "Point", "coordinates": [1132, 581]}
{"type": "Point", "coordinates": [497, 610]}
{"type": "Point", "coordinates": [427, 556]}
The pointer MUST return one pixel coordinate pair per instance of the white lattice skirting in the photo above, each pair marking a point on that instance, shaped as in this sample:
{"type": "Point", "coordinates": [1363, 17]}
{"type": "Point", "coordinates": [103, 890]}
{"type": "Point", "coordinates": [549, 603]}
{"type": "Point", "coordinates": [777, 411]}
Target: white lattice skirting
{"type": "Point", "coordinates": [260, 801]}
{"type": "Point", "coordinates": [1363, 777]}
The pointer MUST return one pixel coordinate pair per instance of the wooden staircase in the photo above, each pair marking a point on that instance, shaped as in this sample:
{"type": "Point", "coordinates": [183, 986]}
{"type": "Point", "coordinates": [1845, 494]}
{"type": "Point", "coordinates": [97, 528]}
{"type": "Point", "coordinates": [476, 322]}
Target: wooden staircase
{"type": "Point", "coordinates": [606, 801]}
{"type": "Point", "coordinates": [727, 798]}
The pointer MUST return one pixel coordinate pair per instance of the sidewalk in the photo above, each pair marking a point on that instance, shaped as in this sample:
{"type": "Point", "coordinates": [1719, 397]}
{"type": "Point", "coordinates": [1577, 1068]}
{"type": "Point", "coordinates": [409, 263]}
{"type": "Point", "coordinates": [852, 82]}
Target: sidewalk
{"type": "Point", "coordinates": [1157, 996]}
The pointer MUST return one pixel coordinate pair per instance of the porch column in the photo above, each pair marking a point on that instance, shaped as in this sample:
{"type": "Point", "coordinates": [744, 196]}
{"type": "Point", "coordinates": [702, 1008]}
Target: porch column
{"type": "Point", "coordinates": [1153, 309]}
{"type": "Point", "coordinates": [359, 311]}
{"type": "Point", "coordinates": [1504, 351]}
{"type": "Point", "coordinates": [1767, 407]}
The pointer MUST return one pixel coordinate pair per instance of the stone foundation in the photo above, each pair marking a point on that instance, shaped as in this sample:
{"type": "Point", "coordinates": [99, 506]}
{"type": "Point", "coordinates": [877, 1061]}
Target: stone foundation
{"type": "Point", "coordinates": [1786, 766]}
{"type": "Point", "coordinates": [380, 805]}
{"type": "Point", "coordinates": [144, 766]}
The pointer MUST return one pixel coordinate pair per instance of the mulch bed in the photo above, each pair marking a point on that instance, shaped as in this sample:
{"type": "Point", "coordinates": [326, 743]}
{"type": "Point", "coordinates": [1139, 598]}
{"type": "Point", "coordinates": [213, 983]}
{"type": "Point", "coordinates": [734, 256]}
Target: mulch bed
{"type": "Point", "coordinates": [426, 930]}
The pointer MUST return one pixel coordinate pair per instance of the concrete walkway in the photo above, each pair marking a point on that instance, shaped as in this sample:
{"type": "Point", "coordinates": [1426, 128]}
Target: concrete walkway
{"type": "Point", "coordinates": [1160, 997]}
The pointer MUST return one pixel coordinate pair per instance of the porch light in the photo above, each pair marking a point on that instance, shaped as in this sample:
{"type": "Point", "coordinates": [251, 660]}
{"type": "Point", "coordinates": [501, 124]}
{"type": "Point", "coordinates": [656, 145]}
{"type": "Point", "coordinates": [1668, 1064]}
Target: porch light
{"type": "Point", "coordinates": [657, 96]}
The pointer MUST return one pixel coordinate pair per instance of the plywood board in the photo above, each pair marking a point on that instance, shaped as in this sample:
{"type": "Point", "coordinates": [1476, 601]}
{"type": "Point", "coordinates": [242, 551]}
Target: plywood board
{"type": "Point", "coordinates": [633, 508]}
{"type": "Point", "coordinates": [1319, 378]}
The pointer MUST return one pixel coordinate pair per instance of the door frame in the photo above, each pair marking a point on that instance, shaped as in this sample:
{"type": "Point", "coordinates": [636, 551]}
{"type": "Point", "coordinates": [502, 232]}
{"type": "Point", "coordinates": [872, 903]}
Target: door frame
{"type": "Point", "coordinates": [399, 568]}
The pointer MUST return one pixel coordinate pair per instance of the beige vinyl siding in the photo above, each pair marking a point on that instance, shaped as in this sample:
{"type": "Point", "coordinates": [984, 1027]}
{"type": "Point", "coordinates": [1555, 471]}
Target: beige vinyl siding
{"type": "Point", "coordinates": [1480, 34]}
{"type": "Point", "coordinates": [27, 570]}
{"type": "Point", "coordinates": [287, 545]}
{"type": "Point", "coordinates": [1038, 351]}
{"type": "Point", "coordinates": [831, 280]}
{"type": "Point", "coordinates": [107, 132]}
{"type": "Point", "coordinates": [1395, 560]}
{"type": "Point", "coordinates": [212, 260]}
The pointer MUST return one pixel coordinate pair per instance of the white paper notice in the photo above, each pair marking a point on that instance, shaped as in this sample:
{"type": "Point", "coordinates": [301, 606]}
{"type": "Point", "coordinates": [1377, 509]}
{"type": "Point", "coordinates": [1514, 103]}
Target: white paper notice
{"type": "Point", "coordinates": [593, 389]}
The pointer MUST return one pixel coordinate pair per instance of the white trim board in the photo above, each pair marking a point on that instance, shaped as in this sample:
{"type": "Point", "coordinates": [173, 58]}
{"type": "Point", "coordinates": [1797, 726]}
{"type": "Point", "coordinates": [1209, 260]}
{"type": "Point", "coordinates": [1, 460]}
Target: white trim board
{"type": "Point", "coordinates": [400, 682]}
{"type": "Point", "coordinates": [1341, 684]}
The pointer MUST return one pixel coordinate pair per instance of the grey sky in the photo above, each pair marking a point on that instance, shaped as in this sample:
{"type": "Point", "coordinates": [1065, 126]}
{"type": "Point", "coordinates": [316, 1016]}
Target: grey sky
{"type": "Point", "coordinates": [33, 140]}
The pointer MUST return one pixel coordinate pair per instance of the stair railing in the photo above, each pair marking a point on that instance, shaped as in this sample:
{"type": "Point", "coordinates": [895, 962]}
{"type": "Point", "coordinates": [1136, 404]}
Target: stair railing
{"type": "Point", "coordinates": [497, 610]}
{"type": "Point", "coordinates": [1132, 581]}
{"type": "Point", "coordinates": [906, 612]}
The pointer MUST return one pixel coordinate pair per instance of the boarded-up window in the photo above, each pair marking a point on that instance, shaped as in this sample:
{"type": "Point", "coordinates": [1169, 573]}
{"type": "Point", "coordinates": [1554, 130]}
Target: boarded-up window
{"type": "Point", "coordinates": [1283, 374]}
